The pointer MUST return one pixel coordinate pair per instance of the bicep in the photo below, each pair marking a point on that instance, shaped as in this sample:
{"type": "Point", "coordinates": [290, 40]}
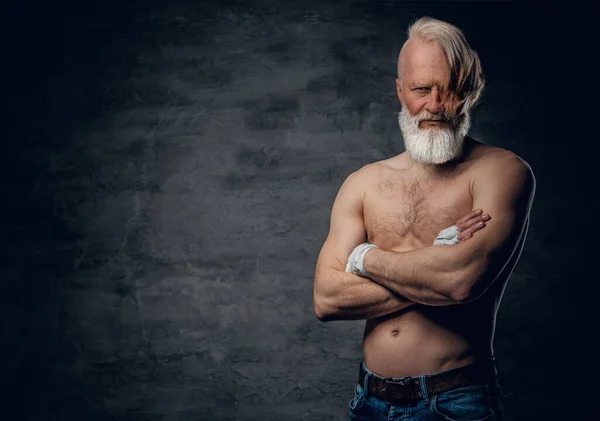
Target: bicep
{"type": "Point", "coordinates": [505, 190]}
{"type": "Point", "coordinates": [346, 229]}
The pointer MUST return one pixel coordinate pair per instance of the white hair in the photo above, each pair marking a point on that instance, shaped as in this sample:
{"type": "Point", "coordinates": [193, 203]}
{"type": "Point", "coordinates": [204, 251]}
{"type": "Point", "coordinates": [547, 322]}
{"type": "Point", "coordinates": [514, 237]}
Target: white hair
{"type": "Point", "coordinates": [432, 145]}
{"type": "Point", "coordinates": [466, 76]}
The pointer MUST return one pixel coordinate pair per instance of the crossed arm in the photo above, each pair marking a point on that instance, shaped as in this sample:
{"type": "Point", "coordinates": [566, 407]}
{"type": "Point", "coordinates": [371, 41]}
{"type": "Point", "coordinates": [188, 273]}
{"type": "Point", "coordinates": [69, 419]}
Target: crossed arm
{"type": "Point", "coordinates": [435, 275]}
{"type": "Point", "coordinates": [339, 295]}
{"type": "Point", "coordinates": [440, 275]}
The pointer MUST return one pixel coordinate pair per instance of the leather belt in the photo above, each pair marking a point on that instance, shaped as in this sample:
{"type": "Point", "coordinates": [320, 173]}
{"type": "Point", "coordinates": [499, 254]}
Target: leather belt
{"type": "Point", "coordinates": [398, 390]}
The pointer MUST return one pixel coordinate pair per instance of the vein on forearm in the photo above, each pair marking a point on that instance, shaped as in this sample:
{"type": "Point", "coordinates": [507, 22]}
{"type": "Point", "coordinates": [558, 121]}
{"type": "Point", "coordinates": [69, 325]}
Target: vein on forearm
{"type": "Point", "coordinates": [427, 276]}
{"type": "Point", "coordinates": [349, 296]}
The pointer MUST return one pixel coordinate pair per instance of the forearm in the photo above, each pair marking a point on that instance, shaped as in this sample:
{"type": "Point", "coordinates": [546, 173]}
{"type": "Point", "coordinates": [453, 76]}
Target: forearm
{"type": "Point", "coordinates": [430, 275]}
{"type": "Point", "coordinates": [345, 296]}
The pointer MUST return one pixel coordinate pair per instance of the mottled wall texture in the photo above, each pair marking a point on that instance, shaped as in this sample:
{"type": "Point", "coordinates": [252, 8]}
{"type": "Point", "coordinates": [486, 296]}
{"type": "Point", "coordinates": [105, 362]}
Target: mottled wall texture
{"type": "Point", "coordinates": [169, 169]}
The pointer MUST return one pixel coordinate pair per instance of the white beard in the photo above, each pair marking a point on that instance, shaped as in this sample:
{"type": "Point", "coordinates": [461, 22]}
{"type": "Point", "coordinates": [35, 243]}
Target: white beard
{"type": "Point", "coordinates": [433, 145]}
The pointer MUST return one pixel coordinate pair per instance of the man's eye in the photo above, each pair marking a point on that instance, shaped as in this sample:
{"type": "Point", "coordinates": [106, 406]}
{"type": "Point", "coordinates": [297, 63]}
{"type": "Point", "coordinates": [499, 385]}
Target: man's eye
{"type": "Point", "coordinates": [421, 89]}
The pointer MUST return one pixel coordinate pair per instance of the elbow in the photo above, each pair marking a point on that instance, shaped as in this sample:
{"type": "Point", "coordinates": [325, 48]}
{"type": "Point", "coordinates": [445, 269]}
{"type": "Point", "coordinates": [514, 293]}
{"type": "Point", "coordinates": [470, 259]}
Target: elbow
{"type": "Point", "coordinates": [322, 309]}
{"type": "Point", "coordinates": [323, 314]}
{"type": "Point", "coordinates": [320, 312]}
{"type": "Point", "coordinates": [460, 295]}
{"type": "Point", "coordinates": [327, 299]}
{"type": "Point", "coordinates": [324, 317]}
{"type": "Point", "coordinates": [466, 287]}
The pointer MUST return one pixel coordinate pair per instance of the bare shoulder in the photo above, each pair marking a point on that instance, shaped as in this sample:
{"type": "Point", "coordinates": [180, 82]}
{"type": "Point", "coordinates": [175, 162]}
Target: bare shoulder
{"type": "Point", "coordinates": [503, 166]}
{"type": "Point", "coordinates": [351, 193]}
{"type": "Point", "coordinates": [494, 158]}
{"type": "Point", "coordinates": [367, 174]}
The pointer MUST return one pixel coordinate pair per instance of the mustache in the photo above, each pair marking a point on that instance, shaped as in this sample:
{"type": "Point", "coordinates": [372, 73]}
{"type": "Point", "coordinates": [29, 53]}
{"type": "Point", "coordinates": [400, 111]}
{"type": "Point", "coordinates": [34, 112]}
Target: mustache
{"type": "Point", "coordinates": [443, 116]}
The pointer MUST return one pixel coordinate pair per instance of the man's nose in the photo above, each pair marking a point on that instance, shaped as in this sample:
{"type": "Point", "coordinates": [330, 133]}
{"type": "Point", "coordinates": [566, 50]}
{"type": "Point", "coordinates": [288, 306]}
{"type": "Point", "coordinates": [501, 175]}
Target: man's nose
{"type": "Point", "coordinates": [434, 104]}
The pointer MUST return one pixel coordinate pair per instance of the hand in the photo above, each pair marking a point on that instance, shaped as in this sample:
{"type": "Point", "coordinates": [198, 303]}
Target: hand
{"type": "Point", "coordinates": [471, 223]}
{"type": "Point", "coordinates": [463, 230]}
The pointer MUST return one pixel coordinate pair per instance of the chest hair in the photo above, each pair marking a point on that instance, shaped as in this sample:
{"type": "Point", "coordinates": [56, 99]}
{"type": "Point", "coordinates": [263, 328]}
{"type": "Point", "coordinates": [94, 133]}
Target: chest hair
{"type": "Point", "coordinates": [408, 209]}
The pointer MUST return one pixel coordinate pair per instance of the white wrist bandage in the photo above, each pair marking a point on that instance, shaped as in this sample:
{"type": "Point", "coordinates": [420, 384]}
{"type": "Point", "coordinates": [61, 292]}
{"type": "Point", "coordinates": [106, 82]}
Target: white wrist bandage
{"type": "Point", "coordinates": [447, 236]}
{"type": "Point", "coordinates": [356, 258]}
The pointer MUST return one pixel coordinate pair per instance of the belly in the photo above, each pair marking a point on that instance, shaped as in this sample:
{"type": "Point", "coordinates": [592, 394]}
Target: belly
{"type": "Point", "coordinates": [424, 340]}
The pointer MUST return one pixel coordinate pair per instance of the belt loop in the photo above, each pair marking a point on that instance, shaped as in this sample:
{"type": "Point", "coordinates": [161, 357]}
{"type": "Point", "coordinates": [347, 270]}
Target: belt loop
{"type": "Point", "coordinates": [366, 381]}
{"type": "Point", "coordinates": [366, 385]}
{"type": "Point", "coordinates": [424, 392]}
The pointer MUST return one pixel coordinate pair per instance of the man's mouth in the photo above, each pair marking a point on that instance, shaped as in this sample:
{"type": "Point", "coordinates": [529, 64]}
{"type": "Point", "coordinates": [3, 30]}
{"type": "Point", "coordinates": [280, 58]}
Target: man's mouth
{"type": "Point", "coordinates": [435, 122]}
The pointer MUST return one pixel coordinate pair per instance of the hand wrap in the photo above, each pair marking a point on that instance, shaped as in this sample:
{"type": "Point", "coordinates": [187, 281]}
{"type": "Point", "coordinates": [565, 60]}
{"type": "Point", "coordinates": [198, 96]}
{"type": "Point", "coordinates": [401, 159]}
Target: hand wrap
{"type": "Point", "coordinates": [356, 258]}
{"type": "Point", "coordinates": [447, 236]}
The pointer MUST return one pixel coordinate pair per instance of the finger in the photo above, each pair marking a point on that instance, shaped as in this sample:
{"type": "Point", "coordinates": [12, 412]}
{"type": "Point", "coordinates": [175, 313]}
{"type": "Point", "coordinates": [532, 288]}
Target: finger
{"type": "Point", "coordinates": [468, 233]}
{"type": "Point", "coordinates": [473, 214]}
{"type": "Point", "coordinates": [464, 236]}
{"type": "Point", "coordinates": [465, 225]}
{"type": "Point", "coordinates": [473, 225]}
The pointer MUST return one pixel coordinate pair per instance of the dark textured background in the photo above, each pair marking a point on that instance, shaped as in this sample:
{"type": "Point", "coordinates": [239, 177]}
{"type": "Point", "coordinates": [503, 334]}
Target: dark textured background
{"type": "Point", "coordinates": [168, 173]}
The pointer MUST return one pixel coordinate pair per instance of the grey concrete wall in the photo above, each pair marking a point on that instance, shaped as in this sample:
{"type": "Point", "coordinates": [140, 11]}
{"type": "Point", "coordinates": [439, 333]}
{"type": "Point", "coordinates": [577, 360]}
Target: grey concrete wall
{"type": "Point", "coordinates": [169, 188]}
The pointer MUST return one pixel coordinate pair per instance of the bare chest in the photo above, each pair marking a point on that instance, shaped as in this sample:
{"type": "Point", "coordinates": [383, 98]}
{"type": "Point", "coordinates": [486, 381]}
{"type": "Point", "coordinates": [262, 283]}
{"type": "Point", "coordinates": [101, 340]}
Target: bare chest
{"type": "Point", "coordinates": [402, 213]}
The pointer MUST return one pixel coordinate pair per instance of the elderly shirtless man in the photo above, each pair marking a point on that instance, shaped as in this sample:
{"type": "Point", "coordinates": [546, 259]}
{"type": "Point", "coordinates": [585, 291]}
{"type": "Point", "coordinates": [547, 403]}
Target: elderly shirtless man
{"type": "Point", "coordinates": [411, 250]}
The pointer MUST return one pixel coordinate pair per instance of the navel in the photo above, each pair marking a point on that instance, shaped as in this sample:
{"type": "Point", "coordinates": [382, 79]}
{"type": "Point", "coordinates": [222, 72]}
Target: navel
{"type": "Point", "coordinates": [395, 333]}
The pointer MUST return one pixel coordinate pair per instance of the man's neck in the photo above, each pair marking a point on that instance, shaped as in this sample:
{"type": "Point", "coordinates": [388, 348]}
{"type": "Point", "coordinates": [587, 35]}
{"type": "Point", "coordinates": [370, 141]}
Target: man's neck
{"type": "Point", "coordinates": [432, 170]}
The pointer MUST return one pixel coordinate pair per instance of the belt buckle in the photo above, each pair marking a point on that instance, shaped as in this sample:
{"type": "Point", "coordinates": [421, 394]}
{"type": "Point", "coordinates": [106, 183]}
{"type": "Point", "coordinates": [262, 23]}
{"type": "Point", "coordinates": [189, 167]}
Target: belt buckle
{"type": "Point", "coordinates": [397, 397]}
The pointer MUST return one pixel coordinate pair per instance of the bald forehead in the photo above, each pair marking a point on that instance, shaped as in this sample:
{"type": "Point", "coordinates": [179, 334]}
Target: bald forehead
{"type": "Point", "coordinates": [422, 58]}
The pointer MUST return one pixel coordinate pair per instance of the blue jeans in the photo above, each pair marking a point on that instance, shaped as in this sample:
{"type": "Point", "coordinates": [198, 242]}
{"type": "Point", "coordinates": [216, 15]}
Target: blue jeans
{"type": "Point", "coordinates": [468, 403]}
